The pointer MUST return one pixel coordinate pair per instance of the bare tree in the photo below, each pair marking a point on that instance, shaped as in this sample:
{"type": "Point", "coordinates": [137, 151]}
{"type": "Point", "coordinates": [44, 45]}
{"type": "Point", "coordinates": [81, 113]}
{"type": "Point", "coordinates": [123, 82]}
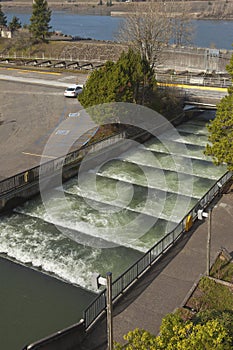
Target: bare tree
{"type": "Point", "coordinates": [182, 27]}
{"type": "Point", "coordinates": [147, 29]}
{"type": "Point", "coordinates": [219, 10]}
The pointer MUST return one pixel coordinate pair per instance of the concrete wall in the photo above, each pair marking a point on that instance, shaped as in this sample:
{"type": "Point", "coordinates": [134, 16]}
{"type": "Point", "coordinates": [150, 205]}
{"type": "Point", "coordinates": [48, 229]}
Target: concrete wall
{"type": "Point", "coordinates": [95, 53]}
{"type": "Point", "coordinates": [66, 339]}
{"type": "Point", "coordinates": [182, 58]}
{"type": "Point", "coordinates": [196, 59]}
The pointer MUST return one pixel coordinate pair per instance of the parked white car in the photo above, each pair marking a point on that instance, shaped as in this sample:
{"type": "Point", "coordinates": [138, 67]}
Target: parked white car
{"type": "Point", "coordinates": [73, 91]}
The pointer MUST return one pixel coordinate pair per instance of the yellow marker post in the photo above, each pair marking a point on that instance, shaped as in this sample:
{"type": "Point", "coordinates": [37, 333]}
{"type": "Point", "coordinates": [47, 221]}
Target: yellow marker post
{"type": "Point", "coordinates": [26, 176]}
{"type": "Point", "coordinates": [188, 223]}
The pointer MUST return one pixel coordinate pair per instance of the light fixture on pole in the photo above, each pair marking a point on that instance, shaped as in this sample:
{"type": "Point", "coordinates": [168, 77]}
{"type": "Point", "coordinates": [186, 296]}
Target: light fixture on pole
{"type": "Point", "coordinates": [101, 281]}
{"type": "Point", "coordinates": [200, 215]}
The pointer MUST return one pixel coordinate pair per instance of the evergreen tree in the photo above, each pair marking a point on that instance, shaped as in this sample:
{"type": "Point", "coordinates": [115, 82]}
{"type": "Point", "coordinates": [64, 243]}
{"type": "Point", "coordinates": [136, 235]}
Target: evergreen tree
{"type": "Point", "coordinates": [41, 16]}
{"type": "Point", "coordinates": [221, 129]}
{"type": "Point", "coordinates": [127, 80]}
{"type": "Point", "coordinates": [3, 18]}
{"type": "Point", "coordinates": [15, 24]}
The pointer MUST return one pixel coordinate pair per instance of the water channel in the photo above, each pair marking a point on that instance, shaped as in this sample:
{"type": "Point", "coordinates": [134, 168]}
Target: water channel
{"type": "Point", "coordinates": [151, 179]}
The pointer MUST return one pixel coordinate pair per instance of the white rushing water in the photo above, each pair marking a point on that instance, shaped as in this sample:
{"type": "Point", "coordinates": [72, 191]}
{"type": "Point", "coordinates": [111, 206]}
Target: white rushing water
{"type": "Point", "coordinates": [109, 223]}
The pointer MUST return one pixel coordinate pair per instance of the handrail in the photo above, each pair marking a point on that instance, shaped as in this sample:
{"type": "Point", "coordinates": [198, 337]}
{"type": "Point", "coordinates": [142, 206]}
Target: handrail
{"type": "Point", "coordinates": [47, 168]}
{"type": "Point", "coordinates": [129, 277]}
{"type": "Point", "coordinates": [19, 180]}
{"type": "Point", "coordinates": [194, 79]}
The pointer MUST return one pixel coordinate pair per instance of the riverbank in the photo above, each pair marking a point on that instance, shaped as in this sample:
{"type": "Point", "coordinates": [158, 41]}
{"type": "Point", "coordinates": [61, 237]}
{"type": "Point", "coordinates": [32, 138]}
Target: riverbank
{"type": "Point", "coordinates": [195, 9]}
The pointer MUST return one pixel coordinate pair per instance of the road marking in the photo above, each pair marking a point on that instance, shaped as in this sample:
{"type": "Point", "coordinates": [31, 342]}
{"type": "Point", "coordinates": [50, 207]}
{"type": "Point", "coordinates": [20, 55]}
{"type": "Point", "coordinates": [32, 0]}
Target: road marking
{"type": "Point", "coordinates": [31, 71]}
{"type": "Point", "coordinates": [68, 77]}
{"type": "Point", "coordinates": [62, 132]}
{"type": "Point", "coordinates": [60, 93]}
{"type": "Point", "coordinates": [39, 155]}
{"type": "Point", "coordinates": [196, 87]}
{"type": "Point", "coordinates": [29, 80]}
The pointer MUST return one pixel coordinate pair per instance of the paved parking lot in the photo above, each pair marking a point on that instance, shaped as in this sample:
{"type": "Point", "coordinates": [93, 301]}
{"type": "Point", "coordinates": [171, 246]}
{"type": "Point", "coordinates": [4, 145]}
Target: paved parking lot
{"type": "Point", "coordinates": [28, 114]}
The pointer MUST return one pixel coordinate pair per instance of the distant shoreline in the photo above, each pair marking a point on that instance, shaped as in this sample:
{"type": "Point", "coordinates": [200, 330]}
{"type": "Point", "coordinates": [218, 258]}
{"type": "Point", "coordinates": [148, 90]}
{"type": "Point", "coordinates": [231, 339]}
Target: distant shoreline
{"type": "Point", "coordinates": [117, 9]}
{"type": "Point", "coordinates": [82, 9]}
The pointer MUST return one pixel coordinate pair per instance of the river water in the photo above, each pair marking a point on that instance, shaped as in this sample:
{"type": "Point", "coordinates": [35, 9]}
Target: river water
{"type": "Point", "coordinates": [207, 33]}
{"type": "Point", "coordinates": [138, 198]}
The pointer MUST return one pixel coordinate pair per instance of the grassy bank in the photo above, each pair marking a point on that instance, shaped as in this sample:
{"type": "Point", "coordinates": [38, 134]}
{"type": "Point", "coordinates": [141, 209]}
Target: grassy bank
{"type": "Point", "coordinates": [83, 50]}
{"type": "Point", "coordinates": [214, 294]}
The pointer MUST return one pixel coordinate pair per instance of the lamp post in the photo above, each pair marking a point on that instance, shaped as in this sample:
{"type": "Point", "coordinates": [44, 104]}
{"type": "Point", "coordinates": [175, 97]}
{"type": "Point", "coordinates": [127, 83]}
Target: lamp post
{"type": "Point", "coordinates": [200, 215]}
{"type": "Point", "coordinates": [109, 310]}
{"type": "Point", "coordinates": [101, 281]}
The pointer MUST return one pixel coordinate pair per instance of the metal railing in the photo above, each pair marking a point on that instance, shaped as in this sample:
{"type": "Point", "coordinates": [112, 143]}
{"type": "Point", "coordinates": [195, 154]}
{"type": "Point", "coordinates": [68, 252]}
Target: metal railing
{"type": "Point", "coordinates": [194, 79]}
{"type": "Point", "coordinates": [29, 176]}
{"type": "Point", "coordinates": [131, 275]}
{"type": "Point", "coordinates": [217, 80]}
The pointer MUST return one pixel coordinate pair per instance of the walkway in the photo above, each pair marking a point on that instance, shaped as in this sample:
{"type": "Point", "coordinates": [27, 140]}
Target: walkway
{"type": "Point", "coordinates": [166, 285]}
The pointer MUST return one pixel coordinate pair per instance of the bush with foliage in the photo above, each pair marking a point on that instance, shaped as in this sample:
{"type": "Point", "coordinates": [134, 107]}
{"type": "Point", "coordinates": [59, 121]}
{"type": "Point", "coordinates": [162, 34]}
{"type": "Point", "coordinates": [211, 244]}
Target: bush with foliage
{"type": "Point", "coordinates": [175, 334]}
{"type": "Point", "coordinates": [209, 329]}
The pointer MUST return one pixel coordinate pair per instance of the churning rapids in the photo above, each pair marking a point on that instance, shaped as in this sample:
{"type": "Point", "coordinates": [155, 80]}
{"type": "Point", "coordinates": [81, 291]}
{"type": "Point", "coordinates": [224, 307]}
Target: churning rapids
{"type": "Point", "coordinates": [137, 199]}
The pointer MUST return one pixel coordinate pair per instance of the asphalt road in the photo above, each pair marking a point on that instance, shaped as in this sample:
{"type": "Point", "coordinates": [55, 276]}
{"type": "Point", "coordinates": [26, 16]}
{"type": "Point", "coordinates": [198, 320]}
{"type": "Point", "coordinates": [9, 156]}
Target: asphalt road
{"type": "Point", "coordinates": [31, 106]}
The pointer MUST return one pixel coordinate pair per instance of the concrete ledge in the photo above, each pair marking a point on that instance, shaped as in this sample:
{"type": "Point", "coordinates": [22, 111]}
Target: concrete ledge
{"type": "Point", "coordinates": [68, 338]}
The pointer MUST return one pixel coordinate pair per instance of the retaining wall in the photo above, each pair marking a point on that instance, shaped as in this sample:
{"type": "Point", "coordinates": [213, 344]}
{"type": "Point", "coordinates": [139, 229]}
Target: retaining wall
{"type": "Point", "coordinates": [68, 338]}
{"type": "Point", "coordinates": [182, 58]}
{"type": "Point", "coordinates": [94, 52]}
